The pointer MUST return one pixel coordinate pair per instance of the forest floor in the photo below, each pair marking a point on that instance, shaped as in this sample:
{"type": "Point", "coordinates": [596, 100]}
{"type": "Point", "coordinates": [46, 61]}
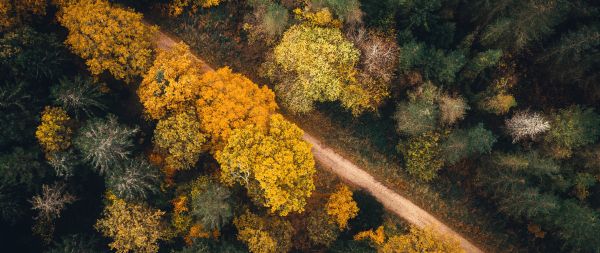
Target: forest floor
{"type": "Point", "coordinates": [357, 177]}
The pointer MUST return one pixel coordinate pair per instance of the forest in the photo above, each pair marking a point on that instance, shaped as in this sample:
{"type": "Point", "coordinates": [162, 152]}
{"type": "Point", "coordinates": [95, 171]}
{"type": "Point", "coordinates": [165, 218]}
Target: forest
{"type": "Point", "coordinates": [185, 126]}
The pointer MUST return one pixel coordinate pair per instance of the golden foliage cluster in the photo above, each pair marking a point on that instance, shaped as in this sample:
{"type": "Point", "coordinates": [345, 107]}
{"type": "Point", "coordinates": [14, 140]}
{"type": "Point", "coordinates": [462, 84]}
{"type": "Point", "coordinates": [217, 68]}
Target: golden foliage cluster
{"type": "Point", "coordinates": [230, 101]}
{"type": "Point", "coordinates": [180, 137]}
{"type": "Point", "coordinates": [108, 38]}
{"type": "Point", "coordinates": [276, 165]}
{"type": "Point", "coordinates": [53, 133]}
{"type": "Point", "coordinates": [377, 236]}
{"type": "Point", "coordinates": [15, 12]}
{"type": "Point", "coordinates": [133, 227]}
{"type": "Point", "coordinates": [421, 240]}
{"type": "Point", "coordinates": [171, 85]}
{"type": "Point", "coordinates": [176, 7]}
{"type": "Point", "coordinates": [341, 206]}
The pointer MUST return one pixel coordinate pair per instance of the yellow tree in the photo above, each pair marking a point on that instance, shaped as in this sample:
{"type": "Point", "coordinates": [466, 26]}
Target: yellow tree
{"type": "Point", "coordinates": [53, 133]}
{"type": "Point", "coordinates": [133, 227]}
{"type": "Point", "coordinates": [276, 165]}
{"type": "Point", "coordinates": [264, 234]}
{"type": "Point", "coordinates": [341, 207]}
{"type": "Point", "coordinates": [108, 38]}
{"type": "Point", "coordinates": [171, 84]}
{"type": "Point", "coordinates": [179, 136]}
{"type": "Point", "coordinates": [176, 7]}
{"type": "Point", "coordinates": [421, 240]}
{"type": "Point", "coordinates": [230, 101]}
{"type": "Point", "coordinates": [311, 64]}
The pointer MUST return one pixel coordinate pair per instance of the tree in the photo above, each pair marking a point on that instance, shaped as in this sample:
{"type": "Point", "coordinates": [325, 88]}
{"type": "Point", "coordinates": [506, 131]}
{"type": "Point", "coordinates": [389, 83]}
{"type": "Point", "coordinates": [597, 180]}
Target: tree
{"type": "Point", "coordinates": [276, 165]}
{"type": "Point", "coordinates": [347, 10]}
{"type": "Point", "coordinates": [572, 127]}
{"type": "Point", "coordinates": [82, 243]}
{"type": "Point", "coordinates": [63, 162]}
{"type": "Point", "coordinates": [525, 124]}
{"type": "Point", "coordinates": [311, 64]}
{"type": "Point", "coordinates": [77, 95]}
{"type": "Point", "coordinates": [264, 234]}
{"type": "Point", "coordinates": [176, 7]}
{"type": "Point", "coordinates": [133, 180]}
{"type": "Point", "coordinates": [452, 109]}
{"type": "Point", "coordinates": [171, 84]}
{"type": "Point", "coordinates": [341, 207]}
{"type": "Point", "coordinates": [421, 240]}
{"type": "Point", "coordinates": [420, 113]}
{"type": "Point", "coordinates": [436, 64]}
{"type": "Point", "coordinates": [104, 142]}
{"type": "Point", "coordinates": [463, 143]}
{"type": "Point", "coordinates": [181, 139]}
{"type": "Point", "coordinates": [230, 101]}
{"type": "Point", "coordinates": [108, 38]}
{"type": "Point", "coordinates": [210, 204]}
{"type": "Point", "coordinates": [320, 229]}
{"type": "Point", "coordinates": [49, 205]}
{"type": "Point", "coordinates": [422, 156]}
{"type": "Point", "coordinates": [379, 56]}
{"type": "Point", "coordinates": [132, 227]}
{"type": "Point", "coordinates": [54, 133]}
{"type": "Point", "coordinates": [267, 21]}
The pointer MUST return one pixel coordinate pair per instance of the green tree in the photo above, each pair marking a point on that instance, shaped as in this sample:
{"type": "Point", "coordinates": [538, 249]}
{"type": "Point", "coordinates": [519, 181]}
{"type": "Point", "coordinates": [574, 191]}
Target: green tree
{"type": "Point", "coordinates": [463, 143]}
{"type": "Point", "coordinates": [210, 204]}
{"type": "Point", "coordinates": [422, 155]}
{"type": "Point", "coordinates": [572, 127]}
{"type": "Point", "coordinates": [133, 180]}
{"type": "Point", "coordinates": [78, 95]}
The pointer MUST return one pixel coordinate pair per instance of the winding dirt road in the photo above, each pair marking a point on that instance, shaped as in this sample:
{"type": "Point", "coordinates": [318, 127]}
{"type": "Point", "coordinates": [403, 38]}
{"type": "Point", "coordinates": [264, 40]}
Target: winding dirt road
{"type": "Point", "coordinates": [352, 174]}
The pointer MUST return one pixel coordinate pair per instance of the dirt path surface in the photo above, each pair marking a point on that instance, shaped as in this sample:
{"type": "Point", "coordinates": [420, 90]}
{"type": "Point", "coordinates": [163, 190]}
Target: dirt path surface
{"type": "Point", "coordinates": [352, 174]}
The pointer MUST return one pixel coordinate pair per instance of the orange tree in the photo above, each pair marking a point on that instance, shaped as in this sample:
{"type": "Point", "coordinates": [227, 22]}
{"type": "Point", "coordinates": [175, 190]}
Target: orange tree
{"type": "Point", "coordinates": [341, 207]}
{"type": "Point", "coordinates": [229, 101]}
{"type": "Point", "coordinates": [171, 84]}
{"type": "Point", "coordinates": [275, 165]}
{"type": "Point", "coordinates": [108, 38]}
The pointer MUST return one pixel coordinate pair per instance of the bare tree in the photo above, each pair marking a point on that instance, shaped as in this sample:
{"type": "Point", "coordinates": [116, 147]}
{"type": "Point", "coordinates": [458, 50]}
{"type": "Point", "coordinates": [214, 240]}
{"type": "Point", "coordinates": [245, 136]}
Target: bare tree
{"type": "Point", "coordinates": [525, 124]}
{"type": "Point", "coordinates": [49, 206]}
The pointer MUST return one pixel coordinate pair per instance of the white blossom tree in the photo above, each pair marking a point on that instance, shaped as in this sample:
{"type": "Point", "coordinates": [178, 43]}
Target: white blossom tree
{"type": "Point", "coordinates": [525, 124]}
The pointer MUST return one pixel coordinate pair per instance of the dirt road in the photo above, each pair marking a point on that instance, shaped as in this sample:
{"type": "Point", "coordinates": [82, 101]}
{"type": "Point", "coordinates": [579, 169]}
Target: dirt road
{"type": "Point", "coordinates": [352, 174]}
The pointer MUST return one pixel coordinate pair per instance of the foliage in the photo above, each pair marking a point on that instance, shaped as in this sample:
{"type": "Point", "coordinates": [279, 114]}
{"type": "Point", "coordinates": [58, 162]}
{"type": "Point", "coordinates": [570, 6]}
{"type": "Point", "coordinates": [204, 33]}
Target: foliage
{"type": "Point", "coordinates": [341, 207]}
{"type": "Point", "coordinates": [132, 227]}
{"type": "Point", "coordinates": [422, 155]}
{"type": "Point", "coordinates": [573, 127]}
{"type": "Point", "coordinates": [108, 38]}
{"type": "Point", "coordinates": [49, 205]}
{"type": "Point", "coordinates": [311, 64]}
{"type": "Point", "coordinates": [77, 95]}
{"type": "Point", "coordinates": [436, 64]}
{"type": "Point", "coordinates": [29, 55]}
{"type": "Point", "coordinates": [63, 162]}
{"type": "Point", "coordinates": [267, 21]}
{"type": "Point", "coordinates": [230, 101]}
{"type": "Point", "coordinates": [379, 56]}
{"type": "Point", "coordinates": [377, 236]}
{"type": "Point", "coordinates": [480, 62]}
{"type": "Point", "coordinates": [210, 204]}
{"type": "Point", "coordinates": [104, 142]}
{"type": "Point", "coordinates": [420, 113]}
{"type": "Point", "coordinates": [275, 165]}
{"type": "Point", "coordinates": [54, 132]}
{"type": "Point", "coordinates": [76, 243]}
{"type": "Point", "coordinates": [22, 167]}
{"type": "Point", "coordinates": [452, 109]}
{"type": "Point", "coordinates": [463, 143]}
{"type": "Point", "coordinates": [320, 229]}
{"type": "Point", "coordinates": [13, 13]}
{"type": "Point", "coordinates": [261, 234]}
{"type": "Point", "coordinates": [322, 17]}
{"type": "Point", "coordinates": [525, 124]}
{"type": "Point", "coordinates": [176, 7]}
{"type": "Point", "coordinates": [172, 84]}
{"type": "Point", "coordinates": [180, 137]}
{"type": "Point", "coordinates": [347, 10]}
{"type": "Point", "coordinates": [421, 240]}
{"type": "Point", "coordinates": [133, 180]}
